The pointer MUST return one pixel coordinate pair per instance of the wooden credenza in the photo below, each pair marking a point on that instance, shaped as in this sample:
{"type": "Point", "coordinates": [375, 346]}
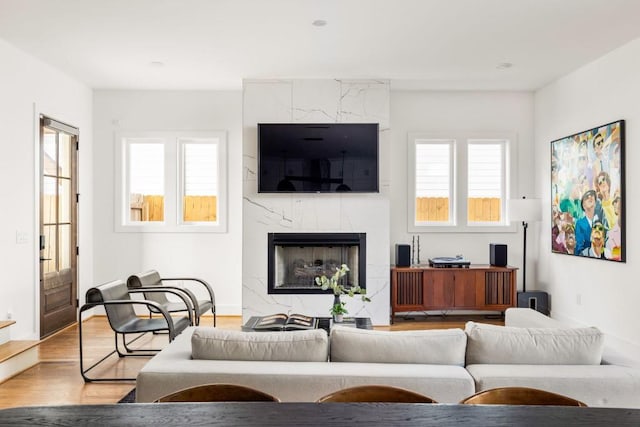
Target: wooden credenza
{"type": "Point", "coordinates": [479, 287]}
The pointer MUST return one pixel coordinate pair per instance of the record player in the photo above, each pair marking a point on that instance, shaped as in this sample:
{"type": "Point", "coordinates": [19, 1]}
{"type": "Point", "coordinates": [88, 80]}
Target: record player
{"type": "Point", "coordinates": [449, 262]}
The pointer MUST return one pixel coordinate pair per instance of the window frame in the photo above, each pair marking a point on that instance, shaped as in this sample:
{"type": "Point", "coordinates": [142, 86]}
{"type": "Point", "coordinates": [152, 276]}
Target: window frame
{"type": "Point", "coordinates": [459, 165]}
{"type": "Point", "coordinates": [173, 182]}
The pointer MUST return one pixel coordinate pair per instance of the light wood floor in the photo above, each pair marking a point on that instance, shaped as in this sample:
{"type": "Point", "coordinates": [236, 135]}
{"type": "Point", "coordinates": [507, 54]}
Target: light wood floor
{"type": "Point", "coordinates": [56, 380]}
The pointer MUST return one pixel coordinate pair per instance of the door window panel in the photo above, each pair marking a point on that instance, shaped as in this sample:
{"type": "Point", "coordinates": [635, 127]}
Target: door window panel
{"type": "Point", "coordinates": [49, 253]}
{"type": "Point", "coordinates": [64, 165]}
{"type": "Point", "coordinates": [49, 199]}
{"type": "Point", "coordinates": [64, 233]}
{"type": "Point", "coordinates": [50, 154]}
{"type": "Point", "coordinates": [64, 196]}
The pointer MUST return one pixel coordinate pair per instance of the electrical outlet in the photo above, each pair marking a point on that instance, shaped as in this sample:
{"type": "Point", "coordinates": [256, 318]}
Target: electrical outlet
{"type": "Point", "coordinates": [579, 299]}
{"type": "Point", "coordinates": [22, 237]}
{"type": "Point", "coordinates": [9, 315]}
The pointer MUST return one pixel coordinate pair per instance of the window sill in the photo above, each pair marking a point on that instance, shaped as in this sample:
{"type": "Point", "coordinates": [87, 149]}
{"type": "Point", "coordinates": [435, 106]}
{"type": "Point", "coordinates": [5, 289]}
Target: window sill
{"type": "Point", "coordinates": [511, 228]}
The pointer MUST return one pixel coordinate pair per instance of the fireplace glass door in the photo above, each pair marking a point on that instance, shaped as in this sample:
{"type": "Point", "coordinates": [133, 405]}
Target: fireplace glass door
{"type": "Point", "coordinates": [296, 259]}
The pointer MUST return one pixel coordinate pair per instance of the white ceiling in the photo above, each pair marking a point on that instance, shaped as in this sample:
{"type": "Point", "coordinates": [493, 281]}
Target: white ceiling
{"type": "Point", "coordinates": [214, 44]}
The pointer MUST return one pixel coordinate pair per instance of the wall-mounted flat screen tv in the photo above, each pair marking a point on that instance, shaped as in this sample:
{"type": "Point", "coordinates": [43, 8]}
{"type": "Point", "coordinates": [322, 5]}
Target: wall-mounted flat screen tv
{"type": "Point", "coordinates": [317, 158]}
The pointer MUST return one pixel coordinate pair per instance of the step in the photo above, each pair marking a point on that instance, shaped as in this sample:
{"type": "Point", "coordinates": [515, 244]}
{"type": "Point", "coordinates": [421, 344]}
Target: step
{"type": "Point", "coordinates": [4, 330]}
{"type": "Point", "coordinates": [15, 356]}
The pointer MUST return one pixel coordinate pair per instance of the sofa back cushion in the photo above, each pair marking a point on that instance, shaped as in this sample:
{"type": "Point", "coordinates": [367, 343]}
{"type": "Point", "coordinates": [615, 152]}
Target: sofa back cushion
{"type": "Point", "coordinates": [294, 346]}
{"type": "Point", "coordinates": [491, 344]}
{"type": "Point", "coordinates": [437, 347]}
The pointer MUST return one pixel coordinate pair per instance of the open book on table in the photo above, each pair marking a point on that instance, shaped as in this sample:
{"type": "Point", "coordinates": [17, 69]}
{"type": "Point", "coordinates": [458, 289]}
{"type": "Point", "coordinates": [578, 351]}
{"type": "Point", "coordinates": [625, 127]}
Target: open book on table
{"type": "Point", "coordinates": [284, 322]}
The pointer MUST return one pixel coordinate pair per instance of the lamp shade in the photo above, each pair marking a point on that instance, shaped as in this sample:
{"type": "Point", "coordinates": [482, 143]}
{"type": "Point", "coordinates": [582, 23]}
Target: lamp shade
{"type": "Point", "coordinates": [527, 210]}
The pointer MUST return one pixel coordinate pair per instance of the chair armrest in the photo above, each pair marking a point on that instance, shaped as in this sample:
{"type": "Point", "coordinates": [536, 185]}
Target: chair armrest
{"type": "Point", "coordinates": [202, 282]}
{"type": "Point", "coordinates": [147, 303]}
{"type": "Point", "coordinates": [184, 294]}
{"type": "Point", "coordinates": [192, 297]}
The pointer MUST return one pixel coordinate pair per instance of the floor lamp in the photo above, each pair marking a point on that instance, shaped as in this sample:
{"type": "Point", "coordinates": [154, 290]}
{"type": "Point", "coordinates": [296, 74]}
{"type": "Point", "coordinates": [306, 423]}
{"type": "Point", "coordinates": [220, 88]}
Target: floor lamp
{"type": "Point", "coordinates": [525, 210]}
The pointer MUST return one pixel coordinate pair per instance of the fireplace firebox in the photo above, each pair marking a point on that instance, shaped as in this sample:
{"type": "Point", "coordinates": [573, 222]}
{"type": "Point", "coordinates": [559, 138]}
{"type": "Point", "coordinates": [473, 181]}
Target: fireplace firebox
{"type": "Point", "coordinates": [296, 259]}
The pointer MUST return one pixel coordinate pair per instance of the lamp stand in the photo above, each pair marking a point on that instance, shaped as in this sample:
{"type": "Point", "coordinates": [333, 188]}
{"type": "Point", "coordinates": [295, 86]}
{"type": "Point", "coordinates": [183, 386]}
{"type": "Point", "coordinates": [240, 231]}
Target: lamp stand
{"type": "Point", "coordinates": [524, 258]}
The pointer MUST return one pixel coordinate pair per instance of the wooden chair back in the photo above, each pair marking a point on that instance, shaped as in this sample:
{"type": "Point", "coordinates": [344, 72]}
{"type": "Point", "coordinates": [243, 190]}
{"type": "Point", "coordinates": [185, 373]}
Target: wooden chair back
{"type": "Point", "coordinates": [376, 393]}
{"type": "Point", "coordinates": [520, 396]}
{"type": "Point", "coordinates": [219, 393]}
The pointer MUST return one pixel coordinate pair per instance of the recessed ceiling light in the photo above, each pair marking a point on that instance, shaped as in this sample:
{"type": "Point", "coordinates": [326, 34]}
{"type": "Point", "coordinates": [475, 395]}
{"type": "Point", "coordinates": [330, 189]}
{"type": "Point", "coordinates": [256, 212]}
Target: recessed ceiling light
{"type": "Point", "coordinates": [156, 64]}
{"type": "Point", "coordinates": [319, 23]}
{"type": "Point", "coordinates": [504, 65]}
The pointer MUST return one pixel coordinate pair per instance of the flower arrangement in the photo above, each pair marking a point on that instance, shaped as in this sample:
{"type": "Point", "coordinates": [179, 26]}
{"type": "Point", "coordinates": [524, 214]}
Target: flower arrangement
{"type": "Point", "coordinates": [333, 283]}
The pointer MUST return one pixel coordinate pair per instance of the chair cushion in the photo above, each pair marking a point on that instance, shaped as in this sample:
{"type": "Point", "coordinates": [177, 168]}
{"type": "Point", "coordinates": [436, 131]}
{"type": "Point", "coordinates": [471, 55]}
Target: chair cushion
{"type": "Point", "coordinates": [493, 344]}
{"type": "Point", "coordinates": [293, 346]}
{"type": "Point", "coordinates": [437, 347]}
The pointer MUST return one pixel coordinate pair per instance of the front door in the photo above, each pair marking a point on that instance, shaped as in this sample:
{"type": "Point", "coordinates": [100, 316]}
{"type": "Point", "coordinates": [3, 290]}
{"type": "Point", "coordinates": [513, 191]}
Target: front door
{"type": "Point", "coordinates": [58, 225]}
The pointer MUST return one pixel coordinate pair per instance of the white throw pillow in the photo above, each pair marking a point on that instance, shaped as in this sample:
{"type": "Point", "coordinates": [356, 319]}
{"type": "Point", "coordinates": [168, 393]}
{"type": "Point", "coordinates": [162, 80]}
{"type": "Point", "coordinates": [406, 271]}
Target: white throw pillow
{"type": "Point", "coordinates": [291, 346]}
{"type": "Point", "coordinates": [492, 344]}
{"type": "Point", "coordinates": [436, 347]}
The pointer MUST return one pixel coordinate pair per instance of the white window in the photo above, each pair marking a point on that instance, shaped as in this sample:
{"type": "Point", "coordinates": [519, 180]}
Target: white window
{"type": "Point", "coordinates": [486, 182]}
{"type": "Point", "coordinates": [199, 189]}
{"type": "Point", "coordinates": [434, 181]}
{"type": "Point", "coordinates": [459, 181]}
{"type": "Point", "coordinates": [145, 172]}
{"type": "Point", "coordinates": [171, 181]}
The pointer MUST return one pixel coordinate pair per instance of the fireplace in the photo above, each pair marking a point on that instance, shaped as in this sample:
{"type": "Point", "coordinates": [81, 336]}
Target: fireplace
{"type": "Point", "coordinates": [296, 259]}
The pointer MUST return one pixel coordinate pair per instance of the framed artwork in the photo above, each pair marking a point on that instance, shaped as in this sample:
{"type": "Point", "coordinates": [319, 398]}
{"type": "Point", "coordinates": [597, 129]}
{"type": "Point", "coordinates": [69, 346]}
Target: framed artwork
{"type": "Point", "coordinates": [587, 193]}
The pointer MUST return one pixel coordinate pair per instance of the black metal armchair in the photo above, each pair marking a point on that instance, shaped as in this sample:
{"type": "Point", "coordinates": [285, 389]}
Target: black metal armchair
{"type": "Point", "coordinates": [119, 307]}
{"type": "Point", "coordinates": [150, 280]}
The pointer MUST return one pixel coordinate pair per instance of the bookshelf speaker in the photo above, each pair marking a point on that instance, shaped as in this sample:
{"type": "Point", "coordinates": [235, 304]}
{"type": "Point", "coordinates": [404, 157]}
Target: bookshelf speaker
{"type": "Point", "coordinates": [403, 255]}
{"type": "Point", "coordinates": [498, 254]}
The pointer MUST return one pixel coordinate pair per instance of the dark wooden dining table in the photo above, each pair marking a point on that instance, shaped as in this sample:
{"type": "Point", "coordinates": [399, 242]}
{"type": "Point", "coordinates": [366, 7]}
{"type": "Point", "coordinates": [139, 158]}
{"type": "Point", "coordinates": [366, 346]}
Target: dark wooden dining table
{"type": "Point", "coordinates": [316, 414]}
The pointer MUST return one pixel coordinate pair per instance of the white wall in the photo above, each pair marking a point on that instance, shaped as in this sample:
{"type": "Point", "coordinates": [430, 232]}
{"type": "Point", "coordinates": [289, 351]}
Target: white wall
{"type": "Point", "coordinates": [29, 87]}
{"type": "Point", "coordinates": [214, 257]}
{"type": "Point", "coordinates": [609, 293]}
{"type": "Point", "coordinates": [429, 111]}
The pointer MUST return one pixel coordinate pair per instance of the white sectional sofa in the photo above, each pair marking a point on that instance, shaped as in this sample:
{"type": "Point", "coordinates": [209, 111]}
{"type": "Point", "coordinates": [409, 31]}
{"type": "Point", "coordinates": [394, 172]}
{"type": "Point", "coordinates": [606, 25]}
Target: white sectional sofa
{"type": "Point", "coordinates": [447, 365]}
{"type": "Point", "coordinates": [548, 356]}
{"type": "Point", "coordinates": [293, 366]}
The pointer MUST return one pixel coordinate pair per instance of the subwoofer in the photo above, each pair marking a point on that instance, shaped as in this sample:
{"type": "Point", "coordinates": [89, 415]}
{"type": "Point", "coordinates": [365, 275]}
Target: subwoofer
{"type": "Point", "coordinates": [498, 254]}
{"type": "Point", "coordinates": [403, 255]}
{"type": "Point", "coordinates": [535, 300]}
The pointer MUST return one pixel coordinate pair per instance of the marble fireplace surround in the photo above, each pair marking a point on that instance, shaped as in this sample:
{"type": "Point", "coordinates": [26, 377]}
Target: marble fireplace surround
{"type": "Point", "coordinates": [314, 101]}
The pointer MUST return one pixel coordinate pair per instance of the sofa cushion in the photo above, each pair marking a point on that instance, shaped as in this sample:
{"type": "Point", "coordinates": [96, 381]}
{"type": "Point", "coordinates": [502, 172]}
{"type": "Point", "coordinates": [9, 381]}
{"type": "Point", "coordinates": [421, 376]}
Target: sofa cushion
{"type": "Point", "coordinates": [294, 346]}
{"type": "Point", "coordinates": [493, 344]}
{"type": "Point", "coordinates": [437, 347]}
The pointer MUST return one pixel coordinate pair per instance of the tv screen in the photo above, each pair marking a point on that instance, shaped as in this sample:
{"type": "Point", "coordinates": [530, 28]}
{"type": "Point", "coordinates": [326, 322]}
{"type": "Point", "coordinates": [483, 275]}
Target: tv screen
{"type": "Point", "coordinates": [317, 158]}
